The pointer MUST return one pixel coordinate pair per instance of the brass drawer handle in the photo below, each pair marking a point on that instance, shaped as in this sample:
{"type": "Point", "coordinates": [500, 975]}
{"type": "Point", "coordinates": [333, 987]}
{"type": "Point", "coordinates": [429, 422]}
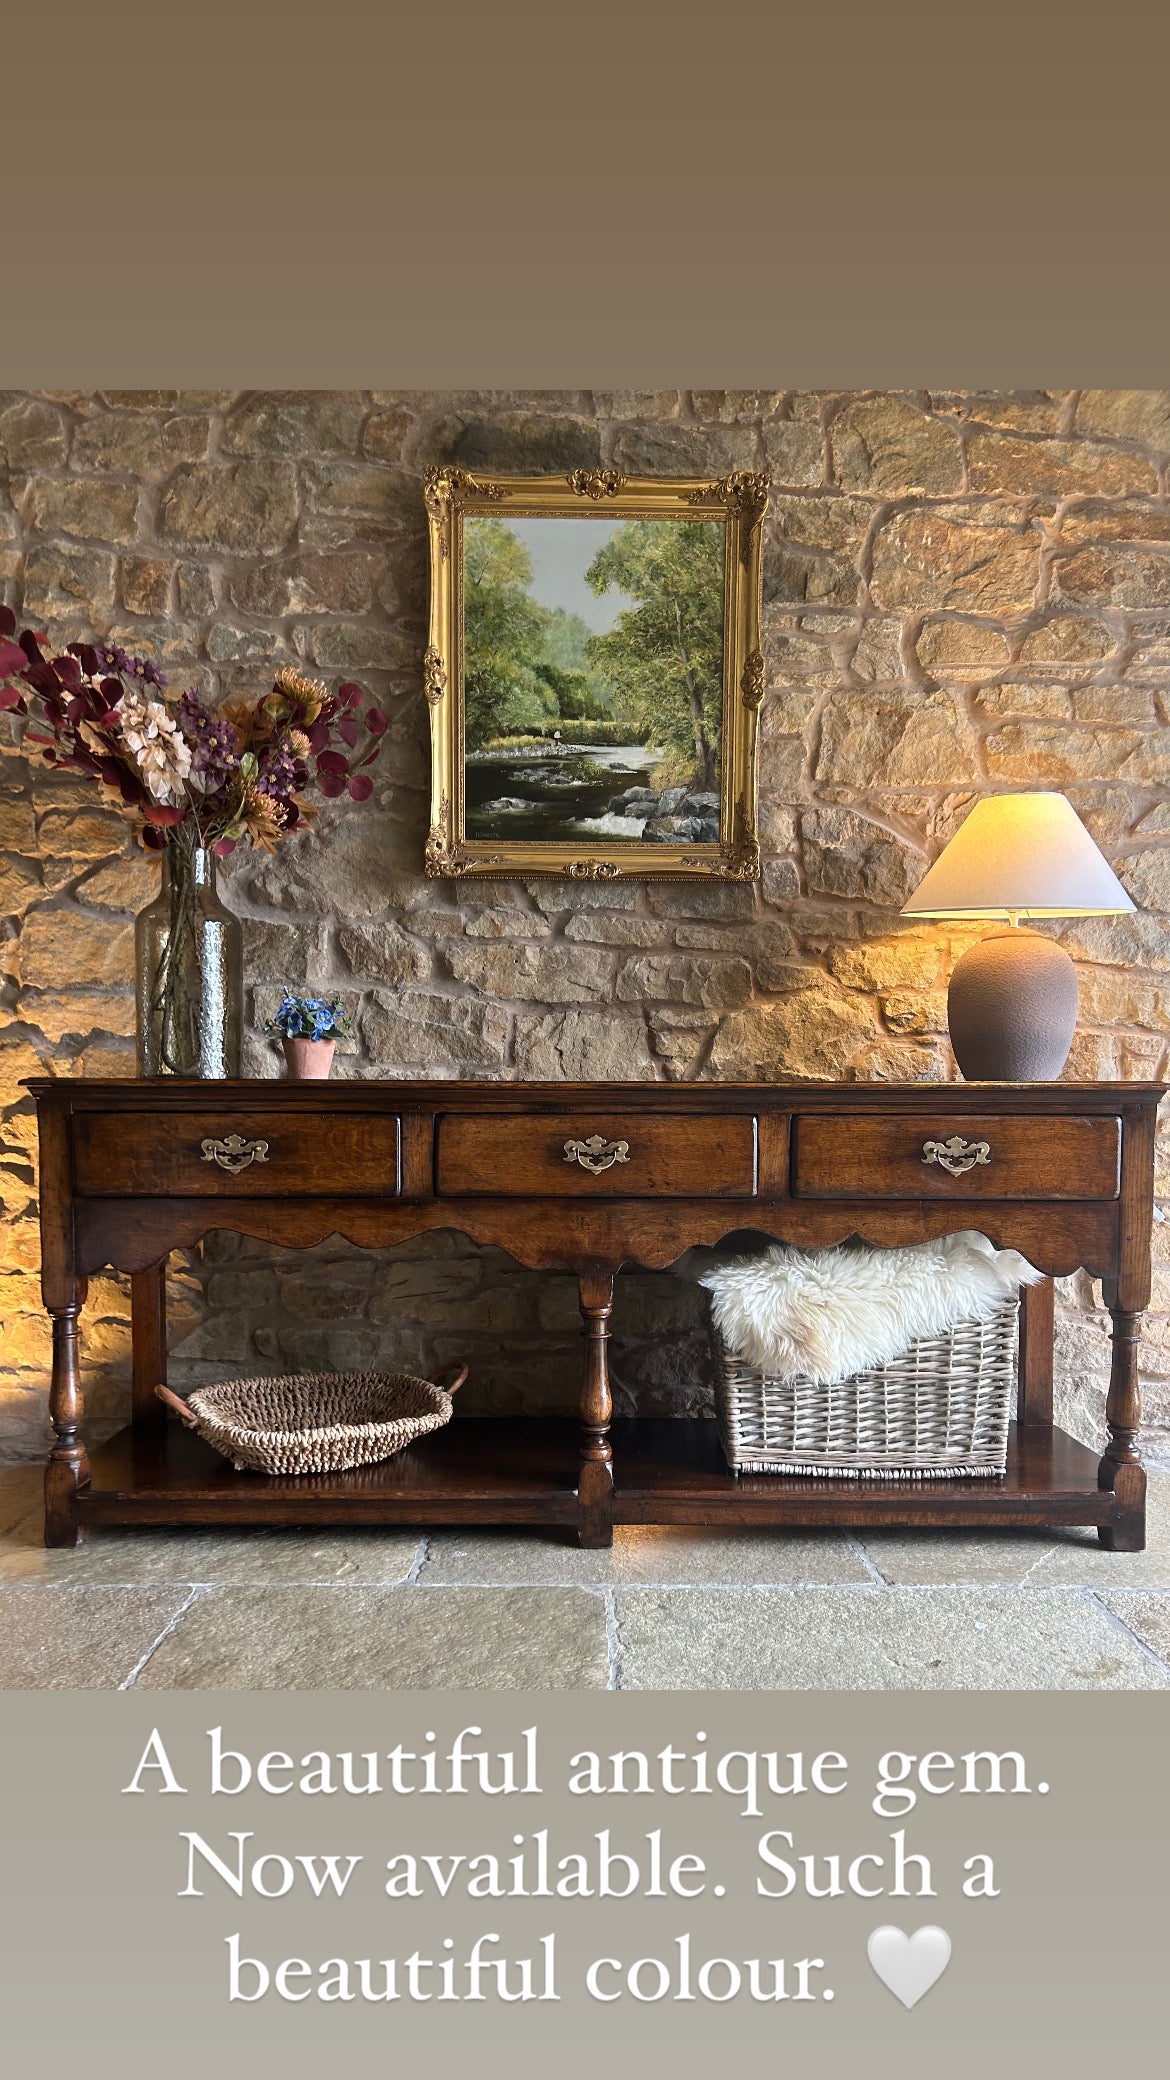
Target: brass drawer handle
{"type": "Point", "coordinates": [956, 1155]}
{"type": "Point", "coordinates": [596, 1154]}
{"type": "Point", "coordinates": [233, 1153]}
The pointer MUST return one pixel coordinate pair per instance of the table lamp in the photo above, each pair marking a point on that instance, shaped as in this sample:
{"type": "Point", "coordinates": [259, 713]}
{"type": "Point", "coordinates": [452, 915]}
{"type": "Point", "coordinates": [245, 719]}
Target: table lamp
{"type": "Point", "coordinates": [1012, 1004]}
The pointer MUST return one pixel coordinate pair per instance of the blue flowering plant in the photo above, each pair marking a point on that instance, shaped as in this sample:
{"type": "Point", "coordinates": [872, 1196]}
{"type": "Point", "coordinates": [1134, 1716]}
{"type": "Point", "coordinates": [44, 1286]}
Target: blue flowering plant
{"type": "Point", "coordinates": [308, 1018]}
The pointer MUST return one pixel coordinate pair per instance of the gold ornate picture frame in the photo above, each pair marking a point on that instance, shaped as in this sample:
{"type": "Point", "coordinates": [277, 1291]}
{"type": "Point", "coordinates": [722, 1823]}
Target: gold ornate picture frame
{"type": "Point", "coordinates": [568, 615]}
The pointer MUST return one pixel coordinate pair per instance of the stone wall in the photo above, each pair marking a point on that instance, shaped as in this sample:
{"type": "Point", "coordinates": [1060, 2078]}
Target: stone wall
{"type": "Point", "coordinates": [963, 592]}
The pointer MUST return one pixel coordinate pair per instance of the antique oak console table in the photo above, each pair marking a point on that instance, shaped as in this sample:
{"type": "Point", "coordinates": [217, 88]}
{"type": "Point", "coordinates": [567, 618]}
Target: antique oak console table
{"type": "Point", "coordinates": [590, 1177]}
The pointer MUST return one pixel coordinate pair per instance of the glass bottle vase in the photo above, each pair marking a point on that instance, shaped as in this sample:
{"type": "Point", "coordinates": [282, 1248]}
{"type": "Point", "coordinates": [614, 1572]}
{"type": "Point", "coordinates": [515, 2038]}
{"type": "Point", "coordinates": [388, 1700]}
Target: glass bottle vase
{"type": "Point", "coordinates": [189, 972]}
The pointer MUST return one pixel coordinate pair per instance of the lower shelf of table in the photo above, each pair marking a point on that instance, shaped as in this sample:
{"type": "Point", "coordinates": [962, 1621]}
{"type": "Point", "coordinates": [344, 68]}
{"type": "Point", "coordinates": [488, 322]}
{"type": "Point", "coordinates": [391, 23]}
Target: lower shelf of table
{"type": "Point", "coordinates": [524, 1471]}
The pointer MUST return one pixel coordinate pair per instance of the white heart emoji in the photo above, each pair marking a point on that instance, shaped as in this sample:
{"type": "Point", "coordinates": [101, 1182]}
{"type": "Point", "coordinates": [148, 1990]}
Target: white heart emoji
{"type": "Point", "coordinates": [909, 1965]}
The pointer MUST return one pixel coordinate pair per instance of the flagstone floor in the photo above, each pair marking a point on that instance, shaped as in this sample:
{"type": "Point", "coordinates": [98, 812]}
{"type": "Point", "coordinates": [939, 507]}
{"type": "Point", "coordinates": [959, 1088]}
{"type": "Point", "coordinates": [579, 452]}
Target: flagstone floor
{"type": "Point", "coordinates": [665, 1610]}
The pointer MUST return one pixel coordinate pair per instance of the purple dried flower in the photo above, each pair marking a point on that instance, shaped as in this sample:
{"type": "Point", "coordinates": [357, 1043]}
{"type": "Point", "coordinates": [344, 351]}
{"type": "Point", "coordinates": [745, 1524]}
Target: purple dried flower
{"type": "Point", "coordinates": [114, 659]}
{"type": "Point", "coordinates": [215, 745]}
{"type": "Point", "coordinates": [278, 771]}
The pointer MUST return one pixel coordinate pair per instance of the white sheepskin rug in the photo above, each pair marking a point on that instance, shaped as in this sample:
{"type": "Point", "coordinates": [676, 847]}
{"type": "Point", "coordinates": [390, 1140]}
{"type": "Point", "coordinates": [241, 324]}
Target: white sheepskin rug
{"type": "Point", "coordinates": [825, 1314]}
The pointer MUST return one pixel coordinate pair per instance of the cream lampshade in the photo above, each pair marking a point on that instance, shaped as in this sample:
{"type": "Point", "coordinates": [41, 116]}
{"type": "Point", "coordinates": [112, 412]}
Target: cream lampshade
{"type": "Point", "coordinates": [1012, 1004]}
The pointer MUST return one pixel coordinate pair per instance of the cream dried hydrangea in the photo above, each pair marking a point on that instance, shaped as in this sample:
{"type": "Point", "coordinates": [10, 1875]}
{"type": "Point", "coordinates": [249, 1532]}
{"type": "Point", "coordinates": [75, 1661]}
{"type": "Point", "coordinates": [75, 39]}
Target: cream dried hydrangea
{"type": "Point", "coordinates": [157, 745]}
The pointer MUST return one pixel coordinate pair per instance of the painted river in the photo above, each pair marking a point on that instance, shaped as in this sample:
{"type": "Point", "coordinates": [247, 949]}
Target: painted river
{"type": "Point", "coordinates": [550, 795]}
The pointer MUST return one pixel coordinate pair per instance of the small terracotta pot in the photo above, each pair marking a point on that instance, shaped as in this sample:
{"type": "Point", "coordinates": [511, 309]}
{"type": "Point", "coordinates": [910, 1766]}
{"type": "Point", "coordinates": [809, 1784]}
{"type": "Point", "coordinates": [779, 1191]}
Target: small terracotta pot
{"type": "Point", "coordinates": [309, 1060]}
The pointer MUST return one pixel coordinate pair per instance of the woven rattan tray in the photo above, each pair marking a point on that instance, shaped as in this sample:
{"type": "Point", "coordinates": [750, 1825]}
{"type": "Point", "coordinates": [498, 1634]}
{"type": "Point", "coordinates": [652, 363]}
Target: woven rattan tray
{"type": "Point", "coordinates": [316, 1422]}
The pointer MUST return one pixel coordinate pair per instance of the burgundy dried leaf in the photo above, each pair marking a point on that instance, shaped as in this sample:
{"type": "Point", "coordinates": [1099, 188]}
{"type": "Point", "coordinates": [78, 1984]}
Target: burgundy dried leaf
{"type": "Point", "coordinates": [332, 784]}
{"type": "Point", "coordinates": [12, 659]}
{"type": "Point", "coordinates": [112, 688]}
{"type": "Point", "coordinates": [318, 735]}
{"type": "Point", "coordinates": [29, 645]}
{"type": "Point", "coordinates": [154, 841]}
{"type": "Point", "coordinates": [350, 695]}
{"type": "Point", "coordinates": [13, 700]}
{"type": "Point", "coordinates": [376, 722]}
{"type": "Point", "coordinates": [88, 656]}
{"type": "Point", "coordinates": [7, 621]}
{"type": "Point", "coordinates": [68, 672]}
{"type": "Point", "coordinates": [360, 788]}
{"type": "Point", "coordinates": [163, 814]}
{"type": "Point", "coordinates": [42, 677]}
{"type": "Point", "coordinates": [224, 846]}
{"type": "Point", "coordinates": [347, 731]}
{"type": "Point", "coordinates": [332, 762]}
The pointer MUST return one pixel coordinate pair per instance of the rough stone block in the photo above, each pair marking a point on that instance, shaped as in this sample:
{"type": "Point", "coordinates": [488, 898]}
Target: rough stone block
{"type": "Point", "coordinates": [435, 1034]}
{"type": "Point", "coordinates": [1115, 576]}
{"type": "Point", "coordinates": [956, 558]}
{"type": "Point", "coordinates": [1040, 751]}
{"type": "Point", "coordinates": [32, 435]}
{"type": "Point", "coordinates": [816, 1032]}
{"type": "Point", "coordinates": [294, 422]}
{"type": "Point", "coordinates": [384, 953]}
{"type": "Point", "coordinates": [896, 741]}
{"type": "Point", "coordinates": [60, 580]}
{"type": "Point", "coordinates": [1134, 415]}
{"type": "Point", "coordinates": [238, 506]}
{"type": "Point", "coordinates": [341, 581]}
{"type": "Point", "coordinates": [145, 582]}
{"type": "Point", "coordinates": [1056, 468]}
{"type": "Point", "coordinates": [550, 974]}
{"type": "Point", "coordinates": [678, 451]}
{"type": "Point", "coordinates": [118, 442]}
{"type": "Point", "coordinates": [890, 444]}
{"type": "Point", "coordinates": [943, 646]}
{"type": "Point", "coordinates": [87, 507]}
{"type": "Point", "coordinates": [846, 856]}
{"type": "Point", "coordinates": [1066, 638]}
{"type": "Point", "coordinates": [795, 451]}
{"type": "Point", "coordinates": [683, 978]}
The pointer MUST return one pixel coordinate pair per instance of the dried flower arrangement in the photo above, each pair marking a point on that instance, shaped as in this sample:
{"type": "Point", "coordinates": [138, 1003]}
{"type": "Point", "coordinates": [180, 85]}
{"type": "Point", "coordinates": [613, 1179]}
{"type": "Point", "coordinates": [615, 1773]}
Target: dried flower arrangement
{"type": "Point", "coordinates": [228, 774]}
{"type": "Point", "coordinates": [197, 782]}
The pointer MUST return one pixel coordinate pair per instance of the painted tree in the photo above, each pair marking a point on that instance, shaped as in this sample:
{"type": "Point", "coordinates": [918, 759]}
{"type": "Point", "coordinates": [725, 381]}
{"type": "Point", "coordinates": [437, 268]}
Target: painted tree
{"type": "Point", "coordinates": [503, 634]}
{"type": "Point", "coordinates": [664, 655]}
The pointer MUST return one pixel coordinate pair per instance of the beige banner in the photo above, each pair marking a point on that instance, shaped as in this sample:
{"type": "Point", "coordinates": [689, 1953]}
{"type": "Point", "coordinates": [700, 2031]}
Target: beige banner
{"type": "Point", "coordinates": [449, 1883]}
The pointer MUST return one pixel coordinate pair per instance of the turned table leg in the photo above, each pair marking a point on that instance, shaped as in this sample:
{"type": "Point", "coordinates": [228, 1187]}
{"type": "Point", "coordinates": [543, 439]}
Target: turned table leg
{"type": "Point", "coordinates": [1121, 1469]}
{"type": "Point", "coordinates": [68, 1467]}
{"type": "Point", "coordinates": [595, 1479]}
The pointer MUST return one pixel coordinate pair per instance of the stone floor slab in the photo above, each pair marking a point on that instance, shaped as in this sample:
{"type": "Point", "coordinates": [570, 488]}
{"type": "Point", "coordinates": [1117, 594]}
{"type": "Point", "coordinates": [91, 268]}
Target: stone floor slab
{"type": "Point", "coordinates": [660, 1554]}
{"type": "Point", "coordinates": [1148, 1616]}
{"type": "Point", "coordinates": [218, 1557]}
{"type": "Point", "coordinates": [1040, 1558]}
{"type": "Point", "coordinates": [385, 1639]}
{"type": "Point", "coordinates": [21, 1490]}
{"type": "Point", "coordinates": [79, 1639]}
{"type": "Point", "coordinates": [876, 1639]}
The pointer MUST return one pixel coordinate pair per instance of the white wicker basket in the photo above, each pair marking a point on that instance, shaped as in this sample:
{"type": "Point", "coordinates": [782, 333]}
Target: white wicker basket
{"type": "Point", "coordinates": [942, 1409]}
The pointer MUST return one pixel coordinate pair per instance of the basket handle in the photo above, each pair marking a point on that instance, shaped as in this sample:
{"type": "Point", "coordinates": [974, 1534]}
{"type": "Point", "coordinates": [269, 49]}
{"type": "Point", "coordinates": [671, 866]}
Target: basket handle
{"type": "Point", "coordinates": [459, 1367]}
{"type": "Point", "coordinates": [177, 1407]}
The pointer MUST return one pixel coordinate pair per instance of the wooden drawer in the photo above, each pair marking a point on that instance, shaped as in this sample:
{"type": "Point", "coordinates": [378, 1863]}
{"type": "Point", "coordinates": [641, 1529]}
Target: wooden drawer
{"type": "Point", "coordinates": [956, 1156]}
{"type": "Point", "coordinates": [596, 1155]}
{"type": "Point", "coordinates": [253, 1155]}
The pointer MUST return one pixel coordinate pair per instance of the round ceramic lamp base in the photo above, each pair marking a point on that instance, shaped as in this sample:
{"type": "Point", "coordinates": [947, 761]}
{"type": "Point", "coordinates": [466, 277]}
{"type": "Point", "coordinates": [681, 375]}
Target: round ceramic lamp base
{"type": "Point", "coordinates": [1012, 1009]}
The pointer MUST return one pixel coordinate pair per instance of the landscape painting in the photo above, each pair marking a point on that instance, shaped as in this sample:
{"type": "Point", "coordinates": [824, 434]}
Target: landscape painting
{"type": "Point", "coordinates": [594, 675]}
{"type": "Point", "coordinates": [592, 678]}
